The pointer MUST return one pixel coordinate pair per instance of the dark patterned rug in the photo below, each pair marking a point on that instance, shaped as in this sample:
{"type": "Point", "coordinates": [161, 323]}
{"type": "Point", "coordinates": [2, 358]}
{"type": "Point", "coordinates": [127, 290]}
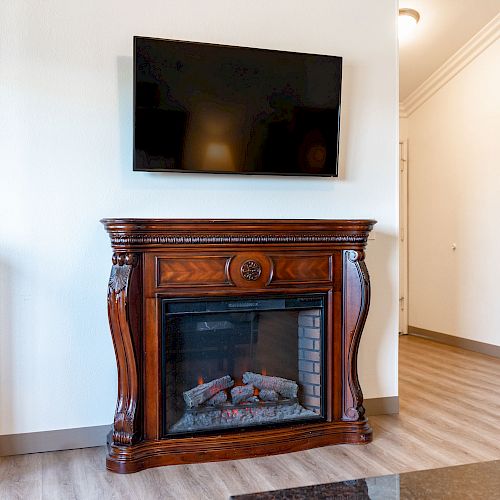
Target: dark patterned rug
{"type": "Point", "coordinates": [345, 490]}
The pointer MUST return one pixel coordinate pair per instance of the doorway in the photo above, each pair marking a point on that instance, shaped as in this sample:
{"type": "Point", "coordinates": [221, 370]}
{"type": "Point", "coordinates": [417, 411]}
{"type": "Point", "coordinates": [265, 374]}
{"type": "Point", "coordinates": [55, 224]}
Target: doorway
{"type": "Point", "coordinates": [403, 237]}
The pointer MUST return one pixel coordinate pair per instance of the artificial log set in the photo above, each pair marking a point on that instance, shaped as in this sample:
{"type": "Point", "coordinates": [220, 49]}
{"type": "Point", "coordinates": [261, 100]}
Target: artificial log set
{"type": "Point", "coordinates": [226, 297]}
{"type": "Point", "coordinates": [262, 400]}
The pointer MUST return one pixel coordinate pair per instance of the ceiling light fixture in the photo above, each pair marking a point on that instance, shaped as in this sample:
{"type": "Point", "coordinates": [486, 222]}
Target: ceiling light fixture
{"type": "Point", "coordinates": [407, 21]}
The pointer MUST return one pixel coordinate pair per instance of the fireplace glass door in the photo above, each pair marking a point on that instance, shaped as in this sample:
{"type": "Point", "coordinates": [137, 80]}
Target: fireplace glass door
{"type": "Point", "coordinates": [241, 362]}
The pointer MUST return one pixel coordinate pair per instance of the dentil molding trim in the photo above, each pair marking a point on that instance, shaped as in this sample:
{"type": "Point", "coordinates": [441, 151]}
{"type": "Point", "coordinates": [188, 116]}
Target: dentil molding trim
{"type": "Point", "coordinates": [475, 46]}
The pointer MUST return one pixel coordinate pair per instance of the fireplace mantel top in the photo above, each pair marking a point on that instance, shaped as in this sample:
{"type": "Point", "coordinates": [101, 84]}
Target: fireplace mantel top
{"type": "Point", "coordinates": [144, 233]}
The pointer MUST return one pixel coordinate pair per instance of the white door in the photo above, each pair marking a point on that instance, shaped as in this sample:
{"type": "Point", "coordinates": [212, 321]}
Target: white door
{"type": "Point", "coordinates": [403, 237]}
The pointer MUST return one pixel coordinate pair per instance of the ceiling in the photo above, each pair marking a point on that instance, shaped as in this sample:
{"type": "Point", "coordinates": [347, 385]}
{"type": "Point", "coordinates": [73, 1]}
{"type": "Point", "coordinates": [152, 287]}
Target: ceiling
{"type": "Point", "coordinates": [444, 27]}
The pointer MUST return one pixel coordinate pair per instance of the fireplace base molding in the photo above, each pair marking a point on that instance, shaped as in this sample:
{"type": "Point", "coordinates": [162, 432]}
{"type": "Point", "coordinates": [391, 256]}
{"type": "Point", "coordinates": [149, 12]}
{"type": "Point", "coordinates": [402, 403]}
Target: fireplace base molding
{"type": "Point", "coordinates": [161, 261]}
{"type": "Point", "coordinates": [230, 446]}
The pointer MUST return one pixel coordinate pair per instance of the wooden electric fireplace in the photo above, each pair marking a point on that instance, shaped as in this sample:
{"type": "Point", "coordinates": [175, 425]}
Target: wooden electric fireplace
{"type": "Point", "coordinates": [235, 338]}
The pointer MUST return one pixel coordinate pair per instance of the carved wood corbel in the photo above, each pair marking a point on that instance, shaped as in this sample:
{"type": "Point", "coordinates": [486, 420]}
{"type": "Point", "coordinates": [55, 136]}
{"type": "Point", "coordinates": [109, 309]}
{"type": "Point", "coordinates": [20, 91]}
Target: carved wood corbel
{"type": "Point", "coordinates": [356, 306]}
{"type": "Point", "coordinates": [125, 342]}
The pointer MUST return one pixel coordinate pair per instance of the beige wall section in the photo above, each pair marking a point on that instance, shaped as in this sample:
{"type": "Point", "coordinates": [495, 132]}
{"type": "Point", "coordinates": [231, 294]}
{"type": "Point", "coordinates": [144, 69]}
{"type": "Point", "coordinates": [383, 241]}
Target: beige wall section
{"type": "Point", "coordinates": [66, 95]}
{"type": "Point", "coordinates": [454, 152]}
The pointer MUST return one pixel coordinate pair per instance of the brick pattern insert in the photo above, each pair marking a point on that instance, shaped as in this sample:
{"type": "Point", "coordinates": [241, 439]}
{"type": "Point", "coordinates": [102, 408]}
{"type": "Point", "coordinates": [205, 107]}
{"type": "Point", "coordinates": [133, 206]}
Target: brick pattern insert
{"type": "Point", "coordinates": [310, 358]}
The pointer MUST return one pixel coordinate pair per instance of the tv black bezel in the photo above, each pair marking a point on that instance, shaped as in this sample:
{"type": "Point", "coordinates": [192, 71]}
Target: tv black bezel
{"type": "Point", "coordinates": [186, 171]}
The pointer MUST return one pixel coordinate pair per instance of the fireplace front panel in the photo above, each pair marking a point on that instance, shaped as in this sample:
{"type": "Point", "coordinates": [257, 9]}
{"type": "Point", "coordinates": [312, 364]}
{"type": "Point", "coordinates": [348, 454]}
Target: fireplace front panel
{"type": "Point", "coordinates": [238, 362]}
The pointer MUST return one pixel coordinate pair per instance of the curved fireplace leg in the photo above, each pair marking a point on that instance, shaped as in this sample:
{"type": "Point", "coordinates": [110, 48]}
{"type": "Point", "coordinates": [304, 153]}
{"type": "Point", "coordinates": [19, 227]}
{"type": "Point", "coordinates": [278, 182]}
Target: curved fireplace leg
{"type": "Point", "coordinates": [356, 305]}
{"type": "Point", "coordinates": [125, 341]}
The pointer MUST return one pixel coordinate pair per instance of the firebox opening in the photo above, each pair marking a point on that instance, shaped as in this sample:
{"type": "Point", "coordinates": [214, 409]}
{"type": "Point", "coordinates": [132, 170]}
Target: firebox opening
{"type": "Point", "coordinates": [240, 362]}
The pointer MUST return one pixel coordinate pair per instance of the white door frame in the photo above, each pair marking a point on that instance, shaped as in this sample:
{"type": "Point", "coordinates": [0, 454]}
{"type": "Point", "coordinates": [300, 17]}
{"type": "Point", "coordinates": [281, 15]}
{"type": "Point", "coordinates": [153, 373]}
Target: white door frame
{"type": "Point", "coordinates": [403, 237]}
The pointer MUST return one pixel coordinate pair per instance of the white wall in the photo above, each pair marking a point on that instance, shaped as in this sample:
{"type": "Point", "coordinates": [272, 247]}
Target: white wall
{"type": "Point", "coordinates": [454, 158]}
{"type": "Point", "coordinates": [66, 101]}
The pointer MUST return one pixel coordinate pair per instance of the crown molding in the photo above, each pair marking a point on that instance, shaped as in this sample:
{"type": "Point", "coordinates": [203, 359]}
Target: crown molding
{"type": "Point", "coordinates": [466, 54]}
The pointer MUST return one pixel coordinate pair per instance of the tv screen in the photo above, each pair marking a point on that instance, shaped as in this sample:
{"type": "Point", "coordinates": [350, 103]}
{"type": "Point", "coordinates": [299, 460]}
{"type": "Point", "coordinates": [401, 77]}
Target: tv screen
{"type": "Point", "coordinates": [213, 108]}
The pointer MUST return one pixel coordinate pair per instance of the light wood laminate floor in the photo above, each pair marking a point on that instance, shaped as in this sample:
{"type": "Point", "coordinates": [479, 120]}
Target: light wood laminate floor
{"type": "Point", "coordinates": [450, 407]}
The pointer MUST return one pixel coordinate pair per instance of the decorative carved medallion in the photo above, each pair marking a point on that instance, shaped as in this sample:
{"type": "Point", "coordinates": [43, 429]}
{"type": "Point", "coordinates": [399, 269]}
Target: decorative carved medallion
{"type": "Point", "coordinates": [251, 270]}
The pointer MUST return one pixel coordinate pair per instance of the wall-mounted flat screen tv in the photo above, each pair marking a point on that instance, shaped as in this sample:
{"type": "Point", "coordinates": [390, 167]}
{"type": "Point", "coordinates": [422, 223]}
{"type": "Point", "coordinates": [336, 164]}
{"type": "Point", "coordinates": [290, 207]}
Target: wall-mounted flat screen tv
{"type": "Point", "coordinates": [213, 108]}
